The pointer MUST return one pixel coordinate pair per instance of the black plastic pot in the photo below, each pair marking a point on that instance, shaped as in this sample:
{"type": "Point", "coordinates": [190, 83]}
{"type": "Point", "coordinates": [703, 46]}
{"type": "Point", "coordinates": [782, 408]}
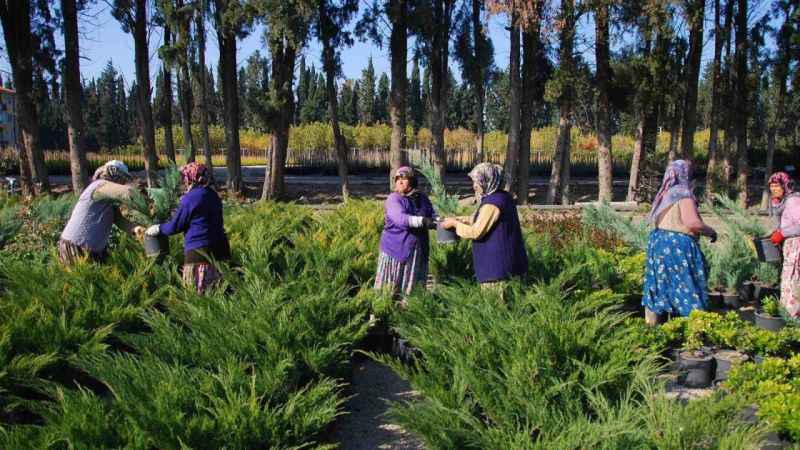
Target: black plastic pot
{"type": "Point", "coordinates": [766, 250]}
{"type": "Point", "coordinates": [764, 290]}
{"type": "Point", "coordinates": [715, 299]}
{"type": "Point", "coordinates": [696, 368]}
{"type": "Point", "coordinates": [731, 299]}
{"type": "Point", "coordinates": [725, 359]}
{"type": "Point", "coordinates": [767, 322]}
{"type": "Point", "coordinates": [746, 291]}
{"type": "Point", "coordinates": [155, 246]}
{"type": "Point", "coordinates": [444, 235]}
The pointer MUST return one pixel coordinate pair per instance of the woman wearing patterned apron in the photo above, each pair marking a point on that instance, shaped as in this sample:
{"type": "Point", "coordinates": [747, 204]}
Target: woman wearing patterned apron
{"type": "Point", "coordinates": [199, 218]}
{"type": "Point", "coordinates": [89, 227]}
{"type": "Point", "coordinates": [784, 208]}
{"type": "Point", "coordinates": [498, 250]}
{"type": "Point", "coordinates": [675, 273]}
{"type": "Point", "coordinates": [404, 248]}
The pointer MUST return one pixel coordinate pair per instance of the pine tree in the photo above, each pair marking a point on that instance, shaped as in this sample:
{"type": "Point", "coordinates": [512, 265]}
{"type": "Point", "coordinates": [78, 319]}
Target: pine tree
{"type": "Point", "coordinates": [303, 82]}
{"type": "Point", "coordinates": [345, 100]}
{"type": "Point", "coordinates": [381, 100]}
{"type": "Point", "coordinates": [366, 104]}
{"type": "Point", "coordinates": [416, 109]}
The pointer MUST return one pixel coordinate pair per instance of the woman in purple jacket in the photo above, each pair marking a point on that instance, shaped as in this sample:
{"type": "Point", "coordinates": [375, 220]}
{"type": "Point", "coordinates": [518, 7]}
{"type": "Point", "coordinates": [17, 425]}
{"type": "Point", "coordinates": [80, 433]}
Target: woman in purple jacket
{"type": "Point", "coordinates": [199, 217]}
{"type": "Point", "coordinates": [403, 261]}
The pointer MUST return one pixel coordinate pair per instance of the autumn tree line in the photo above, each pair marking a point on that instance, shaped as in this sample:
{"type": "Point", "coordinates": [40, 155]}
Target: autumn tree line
{"type": "Point", "coordinates": [561, 69]}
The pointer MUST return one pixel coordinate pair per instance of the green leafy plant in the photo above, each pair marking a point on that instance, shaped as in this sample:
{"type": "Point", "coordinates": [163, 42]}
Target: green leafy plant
{"type": "Point", "coordinates": [736, 217]}
{"type": "Point", "coordinates": [445, 204]}
{"type": "Point", "coordinates": [771, 306]}
{"type": "Point", "coordinates": [767, 273]}
{"type": "Point", "coordinates": [160, 201]}
{"type": "Point", "coordinates": [603, 217]}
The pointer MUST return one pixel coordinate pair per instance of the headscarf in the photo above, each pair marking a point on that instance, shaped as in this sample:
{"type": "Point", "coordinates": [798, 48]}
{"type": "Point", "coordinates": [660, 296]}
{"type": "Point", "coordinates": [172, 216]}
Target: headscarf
{"type": "Point", "coordinates": [115, 171]}
{"type": "Point", "coordinates": [488, 176]}
{"type": "Point", "coordinates": [407, 173]}
{"type": "Point", "coordinates": [195, 174]}
{"type": "Point", "coordinates": [674, 187]}
{"type": "Point", "coordinates": [785, 180]}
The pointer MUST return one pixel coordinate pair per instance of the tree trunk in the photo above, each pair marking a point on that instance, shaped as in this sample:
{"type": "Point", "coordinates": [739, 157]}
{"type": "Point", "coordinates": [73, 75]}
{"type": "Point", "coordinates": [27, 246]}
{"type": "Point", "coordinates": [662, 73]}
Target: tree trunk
{"type": "Point", "coordinates": [531, 89]}
{"type": "Point", "coordinates": [72, 87]}
{"type": "Point", "coordinates": [637, 159]}
{"type": "Point", "coordinates": [741, 101]}
{"type": "Point", "coordinates": [728, 99]}
{"type": "Point", "coordinates": [166, 100]}
{"type": "Point", "coordinates": [512, 152]}
{"type": "Point", "coordinates": [230, 101]}
{"type": "Point", "coordinates": [203, 85]}
{"type": "Point", "coordinates": [443, 10]}
{"type": "Point", "coordinates": [713, 139]}
{"type": "Point", "coordinates": [780, 74]}
{"type": "Point", "coordinates": [283, 57]}
{"type": "Point", "coordinates": [329, 63]}
{"type": "Point", "coordinates": [480, 96]}
{"type": "Point", "coordinates": [560, 167]}
{"type": "Point", "coordinates": [604, 155]}
{"type": "Point", "coordinates": [696, 15]}
{"type": "Point", "coordinates": [674, 132]}
{"type": "Point", "coordinates": [142, 58]}
{"type": "Point", "coordinates": [398, 48]}
{"type": "Point", "coordinates": [185, 85]}
{"type": "Point", "coordinates": [16, 20]}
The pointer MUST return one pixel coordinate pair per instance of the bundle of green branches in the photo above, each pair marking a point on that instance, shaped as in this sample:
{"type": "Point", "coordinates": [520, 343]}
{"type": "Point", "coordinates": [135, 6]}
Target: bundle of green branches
{"type": "Point", "coordinates": [445, 204]}
{"type": "Point", "coordinates": [736, 217]}
{"type": "Point", "coordinates": [603, 217]}
{"type": "Point", "coordinates": [160, 201]}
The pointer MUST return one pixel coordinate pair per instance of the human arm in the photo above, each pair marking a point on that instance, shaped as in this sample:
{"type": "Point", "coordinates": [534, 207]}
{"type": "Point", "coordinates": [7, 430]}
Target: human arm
{"type": "Point", "coordinates": [179, 222]}
{"type": "Point", "coordinates": [487, 217]}
{"type": "Point", "coordinates": [692, 221]}
{"type": "Point", "coordinates": [113, 191]}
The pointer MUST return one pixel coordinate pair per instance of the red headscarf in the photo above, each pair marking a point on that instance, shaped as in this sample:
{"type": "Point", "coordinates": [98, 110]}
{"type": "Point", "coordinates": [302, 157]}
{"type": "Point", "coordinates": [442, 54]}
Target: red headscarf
{"type": "Point", "coordinates": [195, 173]}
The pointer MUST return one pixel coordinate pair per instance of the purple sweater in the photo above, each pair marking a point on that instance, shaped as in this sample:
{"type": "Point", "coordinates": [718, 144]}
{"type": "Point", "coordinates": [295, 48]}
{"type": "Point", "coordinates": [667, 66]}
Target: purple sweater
{"type": "Point", "coordinates": [398, 239]}
{"type": "Point", "coordinates": [199, 216]}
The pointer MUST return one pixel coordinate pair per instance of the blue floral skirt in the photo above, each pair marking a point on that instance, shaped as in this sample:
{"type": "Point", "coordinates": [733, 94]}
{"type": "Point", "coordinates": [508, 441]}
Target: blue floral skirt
{"type": "Point", "coordinates": [675, 274]}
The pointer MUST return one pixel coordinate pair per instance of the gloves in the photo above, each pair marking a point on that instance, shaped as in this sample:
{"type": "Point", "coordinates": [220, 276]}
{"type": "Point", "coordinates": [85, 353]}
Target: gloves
{"type": "Point", "coordinates": [777, 237]}
{"type": "Point", "coordinates": [153, 230]}
{"type": "Point", "coordinates": [713, 237]}
{"type": "Point", "coordinates": [428, 223]}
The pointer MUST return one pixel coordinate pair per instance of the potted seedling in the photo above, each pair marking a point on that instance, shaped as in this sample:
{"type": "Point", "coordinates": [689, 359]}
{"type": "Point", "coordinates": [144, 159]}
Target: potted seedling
{"type": "Point", "coordinates": [766, 276]}
{"type": "Point", "coordinates": [157, 207]}
{"type": "Point", "coordinates": [730, 297]}
{"type": "Point", "coordinates": [445, 204]}
{"type": "Point", "coordinates": [769, 318]}
{"type": "Point", "coordinates": [696, 368]}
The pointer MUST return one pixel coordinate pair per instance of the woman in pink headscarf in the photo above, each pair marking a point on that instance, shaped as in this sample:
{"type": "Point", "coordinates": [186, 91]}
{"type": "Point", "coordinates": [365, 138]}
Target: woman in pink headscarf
{"type": "Point", "coordinates": [784, 208]}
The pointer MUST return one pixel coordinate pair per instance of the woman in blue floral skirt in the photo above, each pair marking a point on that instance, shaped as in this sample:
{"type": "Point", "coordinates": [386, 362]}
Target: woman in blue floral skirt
{"type": "Point", "coordinates": [675, 273]}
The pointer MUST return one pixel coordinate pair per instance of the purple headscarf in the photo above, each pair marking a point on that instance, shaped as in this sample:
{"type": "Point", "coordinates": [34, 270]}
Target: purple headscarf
{"type": "Point", "coordinates": [674, 187]}
{"type": "Point", "coordinates": [776, 205]}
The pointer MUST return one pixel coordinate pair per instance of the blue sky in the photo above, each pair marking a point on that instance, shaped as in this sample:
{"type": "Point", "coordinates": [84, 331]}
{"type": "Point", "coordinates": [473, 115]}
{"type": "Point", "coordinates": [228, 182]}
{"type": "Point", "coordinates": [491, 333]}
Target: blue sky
{"type": "Point", "coordinates": [103, 40]}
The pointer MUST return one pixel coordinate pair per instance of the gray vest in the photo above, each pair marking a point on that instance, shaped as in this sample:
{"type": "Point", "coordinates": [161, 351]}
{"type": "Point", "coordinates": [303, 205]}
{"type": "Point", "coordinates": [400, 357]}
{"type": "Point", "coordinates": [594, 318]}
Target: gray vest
{"type": "Point", "coordinates": [89, 226]}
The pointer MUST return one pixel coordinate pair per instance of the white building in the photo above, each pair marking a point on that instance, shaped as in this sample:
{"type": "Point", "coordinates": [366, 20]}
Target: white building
{"type": "Point", "coordinates": [8, 118]}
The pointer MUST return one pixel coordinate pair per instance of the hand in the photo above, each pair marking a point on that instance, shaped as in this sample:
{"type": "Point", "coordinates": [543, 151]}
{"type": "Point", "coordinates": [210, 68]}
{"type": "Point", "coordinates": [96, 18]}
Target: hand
{"type": "Point", "coordinates": [153, 230]}
{"type": "Point", "coordinates": [449, 223]}
{"type": "Point", "coordinates": [428, 223]}
{"type": "Point", "coordinates": [777, 237]}
{"type": "Point", "coordinates": [713, 236]}
{"type": "Point", "coordinates": [138, 232]}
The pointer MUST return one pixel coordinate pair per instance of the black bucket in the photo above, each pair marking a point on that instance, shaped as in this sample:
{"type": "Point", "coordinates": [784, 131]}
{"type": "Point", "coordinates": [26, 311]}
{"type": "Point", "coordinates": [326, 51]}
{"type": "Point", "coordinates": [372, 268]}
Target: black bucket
{"type": "Point", "coordinates": [770, 323]}
{"type": "Point", "coordinates": [696, 369]}
{"type": "Point", "coordinates": [155, 246]}
{"type": "Point", "coordinates": [766, 250]}
{"type": "Point", "coordinates": [731, 300]}
{"type": "Point", "coordinates": [444, 235]}
{"type": "Point", "coordinates": [725, 360]}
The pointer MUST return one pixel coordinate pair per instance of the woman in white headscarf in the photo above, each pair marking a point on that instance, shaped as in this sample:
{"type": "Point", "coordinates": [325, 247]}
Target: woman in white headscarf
{"type": "Point", "coordinates": [675, 274]}
{"type": "Point", "coordinates": [89, 226]}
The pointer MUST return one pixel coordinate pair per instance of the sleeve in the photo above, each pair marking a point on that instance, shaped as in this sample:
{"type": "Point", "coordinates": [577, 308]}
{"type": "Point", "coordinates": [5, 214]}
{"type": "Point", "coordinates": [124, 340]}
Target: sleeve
{"type": "Point", "coordinates": [179, 222]}
{"type": "Point", "coordinates": [112, 191]}
{"type": "Point", "coordinates": [790, 219]}
{"type": "Point", "coordinates": [487, 217]}
{"type": "Point", "coordinates": [395, 212]}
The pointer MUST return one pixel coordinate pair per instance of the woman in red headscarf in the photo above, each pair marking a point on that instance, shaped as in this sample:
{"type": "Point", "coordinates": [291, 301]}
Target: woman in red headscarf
{"type": "Point", "coordinates": [199, 218]}
{"type": "Point", "coordinates": [784, 208]}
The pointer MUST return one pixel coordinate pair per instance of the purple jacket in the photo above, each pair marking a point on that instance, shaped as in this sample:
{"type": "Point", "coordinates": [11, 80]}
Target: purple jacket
{"type": "Point", "coordinates": [199, 216]}
{"type": "Point", "coordinates": [398, 239]}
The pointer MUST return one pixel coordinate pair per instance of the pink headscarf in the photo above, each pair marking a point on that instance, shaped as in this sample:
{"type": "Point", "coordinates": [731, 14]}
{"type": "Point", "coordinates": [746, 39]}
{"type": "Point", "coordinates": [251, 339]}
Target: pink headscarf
{"type": "Point", "coordinates": [776, 205]}
{"type": "Point", "coordinates": [195, 173]}
{"type": "Point", "coordinates": [674, 187]}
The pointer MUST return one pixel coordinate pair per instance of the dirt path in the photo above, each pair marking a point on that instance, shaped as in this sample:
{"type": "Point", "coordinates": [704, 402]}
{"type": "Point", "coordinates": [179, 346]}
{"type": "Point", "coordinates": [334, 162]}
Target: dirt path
{"type": "Point", "coordinates": [365, 426]}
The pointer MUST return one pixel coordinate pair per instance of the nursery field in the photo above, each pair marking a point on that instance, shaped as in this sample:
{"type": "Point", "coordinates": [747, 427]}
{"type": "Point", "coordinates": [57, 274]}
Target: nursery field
{"type": "Point", "coordinates": [120, 355]}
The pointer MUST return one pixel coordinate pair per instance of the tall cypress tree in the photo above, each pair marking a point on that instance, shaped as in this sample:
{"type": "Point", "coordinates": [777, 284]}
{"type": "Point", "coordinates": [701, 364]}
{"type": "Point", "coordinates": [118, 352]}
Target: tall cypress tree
{"type": "Point", "coordinates": [381, 110]}
{"type": "Point", "coordinates": [416, 110]}
{"type": "Point", "coordinates": [366, 104]}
